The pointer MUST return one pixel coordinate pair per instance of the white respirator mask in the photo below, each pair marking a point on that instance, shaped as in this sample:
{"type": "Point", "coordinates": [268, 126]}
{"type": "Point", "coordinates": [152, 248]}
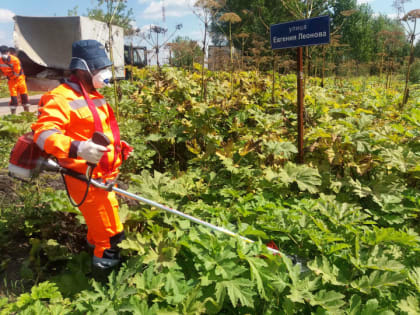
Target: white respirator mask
{"type": "Point", "coordinates": [4, 56]}
{"type": "Point", "coordinates": [102, 78]}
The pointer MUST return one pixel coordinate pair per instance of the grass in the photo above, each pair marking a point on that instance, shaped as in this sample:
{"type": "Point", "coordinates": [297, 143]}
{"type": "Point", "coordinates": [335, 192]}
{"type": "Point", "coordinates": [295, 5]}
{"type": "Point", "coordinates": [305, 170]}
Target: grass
{"type": "Point", "coordinates": [4, 89]}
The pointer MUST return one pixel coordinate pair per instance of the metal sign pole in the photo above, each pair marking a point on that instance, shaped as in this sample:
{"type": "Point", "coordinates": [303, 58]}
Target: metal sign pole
{"type": "Point", "coordinates": [308, 32]}
{"type": "Point", "coordinates": [300, 108]}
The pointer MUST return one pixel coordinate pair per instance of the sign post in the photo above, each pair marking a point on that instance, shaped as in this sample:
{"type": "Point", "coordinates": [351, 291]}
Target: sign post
{"type": "Point", "coordinates": [300, 108]}
{"type": "Point", "coordinates": [300, 33]}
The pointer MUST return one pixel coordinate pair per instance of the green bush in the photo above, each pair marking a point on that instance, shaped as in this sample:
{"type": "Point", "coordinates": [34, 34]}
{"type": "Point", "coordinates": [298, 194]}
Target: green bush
{"type": "Point", "coordinates": [351, 211]}
{"type": "Point", "coordinates": [415, 72]}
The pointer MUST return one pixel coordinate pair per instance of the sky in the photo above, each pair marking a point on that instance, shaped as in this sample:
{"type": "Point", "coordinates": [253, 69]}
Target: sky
{"type": "Point", "coordinates": [146, 13]}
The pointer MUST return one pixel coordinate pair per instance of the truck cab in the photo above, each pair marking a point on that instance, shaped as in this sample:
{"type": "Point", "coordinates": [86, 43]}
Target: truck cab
{"type": "Point", "coordinates": [44, 47]}
{"type": "Point", "coordinates": [134, 56]}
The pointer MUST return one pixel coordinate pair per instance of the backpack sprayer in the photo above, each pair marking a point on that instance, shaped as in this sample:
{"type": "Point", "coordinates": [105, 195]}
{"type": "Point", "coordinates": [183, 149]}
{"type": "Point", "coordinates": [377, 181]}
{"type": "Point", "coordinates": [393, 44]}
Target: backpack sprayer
{"type": "Point", "coordinates": [27, 161]}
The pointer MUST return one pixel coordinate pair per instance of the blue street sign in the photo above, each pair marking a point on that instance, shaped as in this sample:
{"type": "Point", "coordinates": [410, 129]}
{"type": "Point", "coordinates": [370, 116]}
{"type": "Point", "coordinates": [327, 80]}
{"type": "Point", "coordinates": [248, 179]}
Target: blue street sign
{"type": "Point", "coordinates": [307, 32]}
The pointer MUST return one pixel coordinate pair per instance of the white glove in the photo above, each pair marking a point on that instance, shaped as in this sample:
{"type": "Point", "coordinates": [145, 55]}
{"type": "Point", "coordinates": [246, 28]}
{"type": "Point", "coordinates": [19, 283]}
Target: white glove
{"type": "Point", "coordinates": [91, 152]}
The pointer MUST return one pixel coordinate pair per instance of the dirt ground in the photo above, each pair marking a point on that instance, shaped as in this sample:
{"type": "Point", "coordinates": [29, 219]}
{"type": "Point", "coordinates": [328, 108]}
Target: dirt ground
{"type": "Point", "coordinates": [8, 185]}
{"type": "Point", "coordinates": [16, 246]}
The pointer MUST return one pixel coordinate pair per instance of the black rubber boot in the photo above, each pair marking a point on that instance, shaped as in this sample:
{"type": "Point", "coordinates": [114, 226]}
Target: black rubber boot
{"type": "Point", "coordinates": [24, 98]}
{"type": "Point", "coordinates": [102, 268]}
{"type": "Point", "coordinates": [111, 260]}
{"type": "Point", "coordinates": [13, 104]}
{"type": "Point", "coordinates": [25, 102]}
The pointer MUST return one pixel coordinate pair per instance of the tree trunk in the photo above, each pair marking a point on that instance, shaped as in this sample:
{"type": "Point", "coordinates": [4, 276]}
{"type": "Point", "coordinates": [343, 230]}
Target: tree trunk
{"type": "Point", "coordinates": [389, 74]}
{"type": "Point", "coordinates": [203, 89]}
{"type": "Point", "coordinates": [111, 56]}
{"type": "Point", "coordinates": [242, 56]}
{"type": "Point", "coordinates": [380, 68]}
{"type": "Point", "coordinates": [410, 62]}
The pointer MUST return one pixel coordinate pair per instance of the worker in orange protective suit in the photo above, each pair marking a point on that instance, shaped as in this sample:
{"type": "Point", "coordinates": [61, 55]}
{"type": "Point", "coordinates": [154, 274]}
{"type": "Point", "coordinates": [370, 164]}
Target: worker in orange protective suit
{"type": "Point", "coordinates": [68, 117]}
{"type": "Point", "coordinates": [11, 68]}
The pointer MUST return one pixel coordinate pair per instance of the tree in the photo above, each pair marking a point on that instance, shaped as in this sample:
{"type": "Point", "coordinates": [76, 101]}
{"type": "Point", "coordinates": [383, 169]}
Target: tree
{"type": "Point", "coordinates": [111, 12]}
{"type": "Point", "coordinates": [417, 50]}
{"type": "Point", "coordinates": [103, 11]}
{"type": "Point", "coordinates": [74, 11]}
{"type": "Point", "coordinates": [242, 37]}
{"type": "Point", "coordinates": [394, 41]}
{"type": "Point", "coordinates": [255, 16]}
{"type": "Point", "coordinates": [355, 25]}
{"type": "Point", "coordinates": [230, 18]}
{"type": "Point", "coordinates": [115, 11]}
{"type": "Point", "coordinates": [410, 17]}
{"type": "Point", "coordinates": [258, 15]}
{"type": "Point", "coordinates": [184, 52]}
{"type": "Point", "coordinates": [204, 10]}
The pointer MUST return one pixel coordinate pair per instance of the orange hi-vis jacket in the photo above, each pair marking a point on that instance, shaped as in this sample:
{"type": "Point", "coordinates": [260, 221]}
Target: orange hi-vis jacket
{"type": "Point", "coordinates": [65, 120]}
{"type": "Point", "coordinates": [11, 67]}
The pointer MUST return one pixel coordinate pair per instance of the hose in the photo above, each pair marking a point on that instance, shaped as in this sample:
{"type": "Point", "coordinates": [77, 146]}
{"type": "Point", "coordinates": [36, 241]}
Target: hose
{"type": "Point", "coordinates": [89, 180]}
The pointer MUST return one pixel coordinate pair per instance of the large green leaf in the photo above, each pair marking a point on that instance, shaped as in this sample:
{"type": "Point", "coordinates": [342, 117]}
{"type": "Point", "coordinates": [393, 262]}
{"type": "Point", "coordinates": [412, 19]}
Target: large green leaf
{"type": "Point", "coordinates": [307, 178]}
{"type": "Point", "coordinates": [255, 265]}
{"type": "Point", "coordinates": [414, 277]}
{"type": "Point", "coordinates": [238, 290]}
{"type": "Point", "coordinates": [281, 149]}
{"type": "Point", "coordinates": [330, 273]}
{"type": "Point", "coordinates": [410, 305]}
{"type": "Point", "coordinates": [379, 280]}
{"type": "Point", "coordinates": [330, 300]}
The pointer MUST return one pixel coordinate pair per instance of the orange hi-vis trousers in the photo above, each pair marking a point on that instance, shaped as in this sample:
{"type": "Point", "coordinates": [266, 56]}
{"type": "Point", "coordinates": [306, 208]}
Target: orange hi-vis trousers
{"type": "Point", "coordinates": [100, 210]}
{"type": "Point", "coordinates": [64, 121]}
{"type": "Point", "coordinates": [17, 85]}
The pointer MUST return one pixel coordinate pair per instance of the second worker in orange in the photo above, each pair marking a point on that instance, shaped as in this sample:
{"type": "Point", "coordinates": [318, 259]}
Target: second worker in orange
{"type": "Point", "coordinates": [11, 67]}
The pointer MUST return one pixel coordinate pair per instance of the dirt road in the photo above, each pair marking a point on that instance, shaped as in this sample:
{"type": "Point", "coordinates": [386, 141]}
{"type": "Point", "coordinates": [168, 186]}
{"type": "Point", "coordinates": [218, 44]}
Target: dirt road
{"type": "Point", "coordinates": [5, 110]}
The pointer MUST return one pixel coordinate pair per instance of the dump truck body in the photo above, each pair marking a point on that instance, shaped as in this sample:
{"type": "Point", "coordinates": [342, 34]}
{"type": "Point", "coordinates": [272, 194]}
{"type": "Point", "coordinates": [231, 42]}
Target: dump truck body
{"type": "Point", "coordinates": [44, 45]}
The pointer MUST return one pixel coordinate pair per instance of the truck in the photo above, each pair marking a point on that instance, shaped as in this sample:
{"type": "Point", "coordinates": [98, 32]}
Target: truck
{"type": "Point", "coordinates": [44, 47]}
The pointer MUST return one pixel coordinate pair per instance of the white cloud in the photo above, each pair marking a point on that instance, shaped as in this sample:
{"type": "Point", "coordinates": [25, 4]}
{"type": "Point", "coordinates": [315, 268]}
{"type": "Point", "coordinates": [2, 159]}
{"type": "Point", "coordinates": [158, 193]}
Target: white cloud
{"type": "Point", "coordinates": [173, 8]}
{"type": "Point", "coordinates": [6, 16]}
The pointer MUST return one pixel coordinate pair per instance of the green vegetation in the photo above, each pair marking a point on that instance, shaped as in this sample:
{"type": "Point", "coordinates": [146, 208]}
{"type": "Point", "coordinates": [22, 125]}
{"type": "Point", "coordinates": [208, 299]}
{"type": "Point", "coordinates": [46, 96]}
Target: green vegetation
{"type": "Point", "coordinates": [357, 33]}
{"type": "Point", "coordinates": [351, 211]}
{"type": "Point", "coordinates": [415, 73]}
{"type": "Point", "coordinates": [4, 89]}
{"type": "Point", "coordinates": [108, 11]}
{"type": "Point", "coordinates": [185, 52]}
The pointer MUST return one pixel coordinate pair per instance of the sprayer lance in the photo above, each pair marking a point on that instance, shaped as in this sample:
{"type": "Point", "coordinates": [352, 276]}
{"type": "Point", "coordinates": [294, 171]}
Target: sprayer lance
{"type": "Point", "coordinates": [46, 164]}
{"type": "Point", "coordinates": [52, 166]}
